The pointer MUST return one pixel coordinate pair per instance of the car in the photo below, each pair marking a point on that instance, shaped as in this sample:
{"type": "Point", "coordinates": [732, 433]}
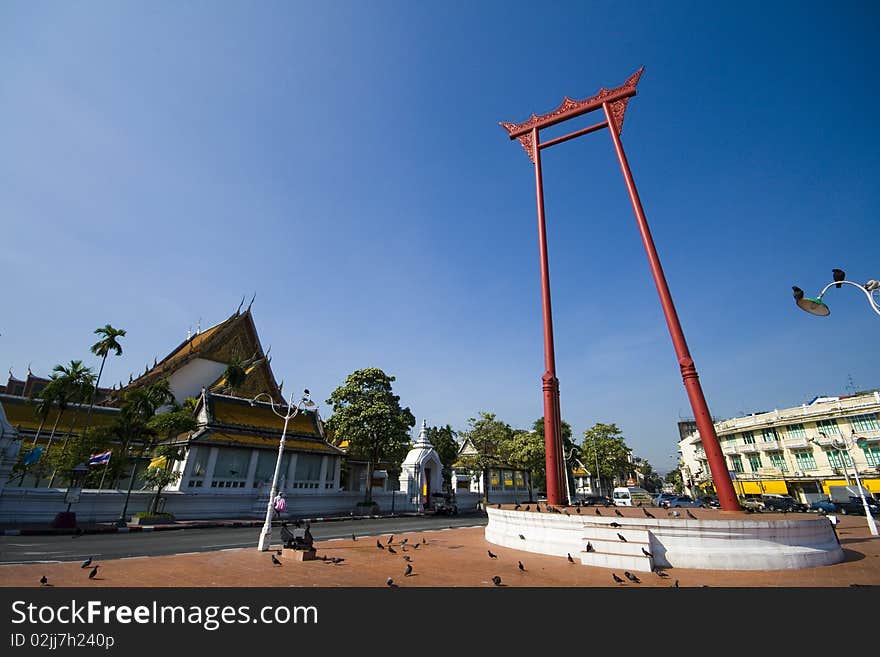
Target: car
{"type": "Point", "coordinates": [751, 504]}
{"type": "Point", "coordinates": [823, 506]}
{"type": "Point", "coordinates": [680, 501]}
{"type": "Point", "coordinates": [855, 507]}
{"type": "Point", "coordinates": [595, 500]}
{"type": "Point", "coordinates": [663, 496]}
{"type": "Point", "coordinates": [710, 502]}
{"type": "Point", "coordinates": [784, 503]}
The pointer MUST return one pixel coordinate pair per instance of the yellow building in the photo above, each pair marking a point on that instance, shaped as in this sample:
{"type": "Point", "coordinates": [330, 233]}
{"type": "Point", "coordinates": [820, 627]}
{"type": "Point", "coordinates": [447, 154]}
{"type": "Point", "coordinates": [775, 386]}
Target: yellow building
{"type": "Point", "coordinates": [798, 451]}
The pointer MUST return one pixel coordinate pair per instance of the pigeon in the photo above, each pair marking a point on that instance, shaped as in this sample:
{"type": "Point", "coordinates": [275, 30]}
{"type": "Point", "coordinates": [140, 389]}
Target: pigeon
{"type": "Point", "coordinates": [492, 556]}
{"type": "Point", "coordinates": [660, 573]}
{"type": "Point", "coordinates": [797, 292]}
{"type": "Point", "coordinates": [277, 551]}
{"type": "Point", "coordinates": [839, 275]}
{"type": "Point", "coordinates": [519, 565]}
{"type": "Point", "coordinates": [614, 524]}
{"type": "Point", "coordinates": [86, 563]}
{"type": "Point", "coordinates": [648, 514]}
{"type": "Point", "coordinates": [570, 560]}
{"type": "Point", "coordinates": [390, 538]}
{"type": "Point", "coordinates": [675, 586]}
{"type": "Point", "coordinates": [403, 547]}
{"type": "Point", "coordinates": [416, 546]}
{"type": "Point", "coordinates": [590, 547]}
{"type": "Point", "coordinates": [566, 512]}
{"type": "Point", "coordinates": [392, 550]}
{"type": "Point", "coordinates": [538, 508]}
{"type": "Point", "coordinates": [44, 580]}
{"type": "Point", "coordinates": [403, 542]}
{"type": "Point", "coordinates": [631, 577]}
{"type": "Point", "coordinates": [639, 504]}
{"type": "Point", "coordinates": [618, 513]}
{"type": "Point", "coordinates": [390, 582]}
{"type": "Point", "coordinates": [93, 572]}
{"type": "Point", "coordinates": [424, 541]}
{"type": "Point", "coordinates": [275, 560]}
{"type": "Point", "coordinates": [647, 554]}
{"type": "Point", "coordinates": [621, 537]}
{"type": "Point", "coordinates": [616, 578]}
{"type": "Point", "coordinates": [353, 537]}
{"type": "Point", "coordinates": [577, 510]}
{"type": "Point", "coordinates": [598, 513]}
{"type": "Point", "coordinates": [496, 580]}
{"type": "Point", "coordinates": [408, 571]}
{"type": "Point", "coordinates": [379, 545]}
{"type": "Point", "coordinates": [527, 507]}
{"type": "Point", "coordinates": [337, 559]}
{"type": "Point", "coordinates": [498, 506]}
{"type": "Point", "coordinates": [691, 515]}
{"type": "Point", "coordinates": [522, 537]}
{"type": "Point", "coordinates": [517, 506]}
{"type": "Point", "coordinates": [407, 558]}
{"type": "Point", "coordinates": [674, 514]}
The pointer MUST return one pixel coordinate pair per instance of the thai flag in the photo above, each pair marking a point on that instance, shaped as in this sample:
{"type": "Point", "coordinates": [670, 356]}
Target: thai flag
{"type": "Point", "coordinates": [100, 459]}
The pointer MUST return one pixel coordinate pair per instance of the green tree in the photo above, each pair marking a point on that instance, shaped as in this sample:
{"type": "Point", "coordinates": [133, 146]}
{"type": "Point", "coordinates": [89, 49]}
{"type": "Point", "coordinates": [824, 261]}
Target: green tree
{"type": "Point", "coordinates": [489, 438]}
{"type": "Point", "coordinates": [651, 480]}
{"type": "Point", "coordinates": [570, 450]}
{"type": "Point", "coordinates": [367, 414]}
{"type": "Point", "coordinates": [235, 374]}
{"type": "Point", "coordinates": [109, 342]}
{"type": "Point", "coordinates": [524, 450]}
{"type": "Point", "coordinates": [446, 446]}
{"type": "Point", "coordinates": [606, 442]}
{"type": "Point", "coordinates": [674, 477]}
{"type": "Point", "coordinates": [168, 425]}
{"type": "Point", "coordinates": [79, 382]}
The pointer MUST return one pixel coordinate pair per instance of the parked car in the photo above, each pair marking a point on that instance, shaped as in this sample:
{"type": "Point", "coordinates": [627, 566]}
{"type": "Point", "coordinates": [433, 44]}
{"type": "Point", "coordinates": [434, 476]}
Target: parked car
{"type": "Point", "coordinates": [680, 501]}
{"type": "Point", "coordinates": [751, 504]}
{"type": "Point", "coordinates": [824, 506]}
{"type": "Point", "coordinates": [595, 500]}
{"type": "Point", "coordinates": [855, 507]}
{"type": "Point", "coordinates": [784, 503]}
{"type": "Point", "coordinates": [710, 502]}
{"type": "Point", "coordinates": [663, 496]}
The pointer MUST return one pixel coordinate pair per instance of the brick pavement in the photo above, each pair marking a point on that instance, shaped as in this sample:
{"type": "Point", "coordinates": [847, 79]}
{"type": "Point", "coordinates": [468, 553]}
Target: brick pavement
{"type": "Point", "coordinates": [446, 558]}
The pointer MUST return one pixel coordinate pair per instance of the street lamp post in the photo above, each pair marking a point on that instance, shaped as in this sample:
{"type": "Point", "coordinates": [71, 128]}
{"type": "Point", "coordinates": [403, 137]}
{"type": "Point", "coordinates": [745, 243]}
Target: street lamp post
{"type": "Point", "coordinates": [846, 444]}
{"type": "Point", "coordinates": [613, 104]}
{"type": "Point", "coordinates": [598, 476]}
{"type": "Point", "coordinates": [292, 410]}
{"type": "Point", "coordinates": [815, 305]}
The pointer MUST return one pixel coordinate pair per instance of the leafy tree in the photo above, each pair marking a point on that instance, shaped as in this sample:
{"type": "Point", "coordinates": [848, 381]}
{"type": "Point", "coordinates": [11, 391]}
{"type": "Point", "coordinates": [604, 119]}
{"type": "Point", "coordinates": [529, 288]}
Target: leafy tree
{"type": "Point", "coordinates": [235, 374]}
{"type": "Point", "coordinates": [524, 450]}
{"type": "Point", "coordinates": [651, 480]}
{"type": "Point", "coordinates": [168, 425]}
{"type": "Point", "coordinates": [674, 477]}
{"type": "Point", "coordinates": [78, 381]}
{"type": "Point", "coordinates": [606, 441]}
{"type": "Point", "coordinates": [446, 446]}
{"type": "Point", "coordinates": [569, 449]}
{"type": "Point", "coordinates": [368, 414]}
{"type": "Point", "coordinates": [489, 438]}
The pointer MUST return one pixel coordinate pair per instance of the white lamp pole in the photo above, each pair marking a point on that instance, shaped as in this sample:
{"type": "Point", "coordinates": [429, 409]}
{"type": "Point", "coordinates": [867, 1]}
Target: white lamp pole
{"type": "Point", "coordinates": [872, 526]}
{"type": "Point", "coordinates": [292, 410]}
{"type": "Point", "coordinates": [815, 306]}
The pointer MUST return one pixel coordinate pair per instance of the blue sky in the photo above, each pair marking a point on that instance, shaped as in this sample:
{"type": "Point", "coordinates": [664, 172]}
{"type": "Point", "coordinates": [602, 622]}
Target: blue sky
{"type": "Point", "coordinates": [158, 161]}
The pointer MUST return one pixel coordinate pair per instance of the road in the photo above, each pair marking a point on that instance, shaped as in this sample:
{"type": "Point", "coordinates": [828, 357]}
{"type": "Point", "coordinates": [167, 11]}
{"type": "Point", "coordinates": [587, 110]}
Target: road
{"type": "Point", "coordinates": [53, 549]}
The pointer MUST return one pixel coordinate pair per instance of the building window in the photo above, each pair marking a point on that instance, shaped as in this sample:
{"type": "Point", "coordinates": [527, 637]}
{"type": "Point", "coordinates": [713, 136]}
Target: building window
{"type": "Point", "coordinates": [837, 459]}
{"type": "Point", "coordinates": [737, 463]}
{"type": "Point", "coordinates": [796, 431]}
{"type": "Point", "coordinates": [755, 462]}
{"type": "Point", "coordinates": [266, 468]}
{"type": "Point", "coordinates": [308, 471]}
{"type": "Point", "coordinates": [230, 469]}
{"type": "Point", "coordinates": [748, 438]}
{"type": "Point", "coordinates": [330, 474]}
{"type": "Point", "coordinates": [866, 422]}
{"type": "Point", "coordinates": [777, 460]}
{"type": "Point", "coordinates": [873, 456]}
{"type": "Point", "coordinates": [804, 459]}
{"type": "Point", "coordinates": [518, 479]}
{"type": "Point", "coordinates": [769, 435]}
{"type": "Point", "coordinates": [494, 480]}
{"type": "Point", "coordinates": [828, 427]}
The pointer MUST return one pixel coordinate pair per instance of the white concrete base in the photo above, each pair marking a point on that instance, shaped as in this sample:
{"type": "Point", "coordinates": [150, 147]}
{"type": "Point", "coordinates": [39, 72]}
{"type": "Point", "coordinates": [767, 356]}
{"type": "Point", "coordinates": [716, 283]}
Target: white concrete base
{"type": "Point", "coordinates": [725, 543]}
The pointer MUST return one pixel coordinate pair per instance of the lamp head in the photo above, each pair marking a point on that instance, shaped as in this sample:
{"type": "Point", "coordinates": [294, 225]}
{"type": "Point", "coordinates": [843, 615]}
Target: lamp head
{"type": "Point", "coordinates": [813, 306]}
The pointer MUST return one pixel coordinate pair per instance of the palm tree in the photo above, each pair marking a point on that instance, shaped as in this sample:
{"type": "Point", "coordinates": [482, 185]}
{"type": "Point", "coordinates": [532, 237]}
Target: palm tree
{"type": "Point", "coordinates": [55, 392]}
{"type": "Point", "coordinates": [108, 342]}
{"type": "Point", "coordinates": [78, 381]}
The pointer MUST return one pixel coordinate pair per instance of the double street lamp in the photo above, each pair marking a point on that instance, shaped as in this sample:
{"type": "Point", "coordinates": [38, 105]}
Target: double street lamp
{"type": "Point", "coordinates": [840, 442]}
{"type": "Point", "coordinates": [292, 411]}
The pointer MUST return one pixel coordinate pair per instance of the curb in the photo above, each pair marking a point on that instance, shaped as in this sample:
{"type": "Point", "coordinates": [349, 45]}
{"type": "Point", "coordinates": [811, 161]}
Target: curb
{"type": "Point", "coordinates": [49, 531]}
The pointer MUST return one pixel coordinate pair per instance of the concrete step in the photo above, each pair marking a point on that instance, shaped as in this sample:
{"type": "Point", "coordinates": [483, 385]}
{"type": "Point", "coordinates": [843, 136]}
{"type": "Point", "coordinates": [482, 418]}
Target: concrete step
{"type": "Point", "coordinates": [617, 547]}
{"type": "Point", "coordinates": [597, 533]}
{"type": "Point", "coordinates": [621, 562]}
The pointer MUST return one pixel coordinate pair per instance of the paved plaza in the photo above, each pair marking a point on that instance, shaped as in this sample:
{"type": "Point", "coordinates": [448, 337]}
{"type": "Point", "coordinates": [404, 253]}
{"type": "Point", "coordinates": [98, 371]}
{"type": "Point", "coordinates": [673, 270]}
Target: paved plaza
{"type": "Point", "coordinates": [442, 558]}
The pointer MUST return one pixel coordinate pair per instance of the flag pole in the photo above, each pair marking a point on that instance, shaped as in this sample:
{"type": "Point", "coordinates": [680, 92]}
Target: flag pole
{"type": "Point", "coordinates": [104, 474]}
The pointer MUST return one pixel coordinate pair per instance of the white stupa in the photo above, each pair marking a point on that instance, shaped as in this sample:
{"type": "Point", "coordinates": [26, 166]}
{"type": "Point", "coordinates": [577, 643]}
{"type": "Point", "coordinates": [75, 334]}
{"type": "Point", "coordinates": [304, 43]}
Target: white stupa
{"type": "Point", "coordinates": [421, 473]}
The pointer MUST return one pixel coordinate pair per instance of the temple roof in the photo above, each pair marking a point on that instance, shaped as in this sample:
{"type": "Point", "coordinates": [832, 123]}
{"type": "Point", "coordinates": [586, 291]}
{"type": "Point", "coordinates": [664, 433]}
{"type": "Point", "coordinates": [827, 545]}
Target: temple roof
{"type": "Point", "coordinates": [22, 414]}
{"type": "Point", "coordinates": [234, 336]}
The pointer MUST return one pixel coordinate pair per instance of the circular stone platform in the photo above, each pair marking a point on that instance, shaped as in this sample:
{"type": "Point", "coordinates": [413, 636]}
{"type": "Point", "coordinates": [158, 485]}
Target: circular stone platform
{"type": "Point", "coordinates": [715, 540]}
